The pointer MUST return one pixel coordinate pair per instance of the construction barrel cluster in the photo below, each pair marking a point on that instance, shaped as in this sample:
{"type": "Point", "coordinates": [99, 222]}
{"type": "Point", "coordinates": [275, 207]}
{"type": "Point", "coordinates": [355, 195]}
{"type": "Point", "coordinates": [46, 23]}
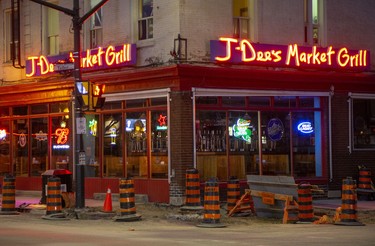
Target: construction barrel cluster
{"type": "Point", "coordinates": [267, 196]}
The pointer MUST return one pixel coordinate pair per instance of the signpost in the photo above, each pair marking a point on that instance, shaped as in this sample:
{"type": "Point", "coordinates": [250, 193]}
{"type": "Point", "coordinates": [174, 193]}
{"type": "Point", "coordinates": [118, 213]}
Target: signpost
{"type": "Point", "coordinates": [78, 112]}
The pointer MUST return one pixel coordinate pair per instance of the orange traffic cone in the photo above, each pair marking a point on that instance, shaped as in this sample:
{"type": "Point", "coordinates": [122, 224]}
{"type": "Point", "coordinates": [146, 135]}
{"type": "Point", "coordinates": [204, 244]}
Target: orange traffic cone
{"type": "Point", "coordinates": [108, 202]}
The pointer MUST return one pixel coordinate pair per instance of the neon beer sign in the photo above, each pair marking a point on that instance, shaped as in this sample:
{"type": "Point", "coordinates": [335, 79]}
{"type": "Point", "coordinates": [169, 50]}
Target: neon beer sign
{"type": "Point", "coordinates": [91, 59]}
{"type": "Point", "coordinates": [242, 51]}
{"type": "Point", "coordinates": [242, 130]}
{"type": "Point", "coordinates": [305, 127]}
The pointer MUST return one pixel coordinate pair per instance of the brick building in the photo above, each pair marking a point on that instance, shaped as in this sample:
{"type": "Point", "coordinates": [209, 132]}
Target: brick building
{"type": "Point", "coordinates": [230, 87]}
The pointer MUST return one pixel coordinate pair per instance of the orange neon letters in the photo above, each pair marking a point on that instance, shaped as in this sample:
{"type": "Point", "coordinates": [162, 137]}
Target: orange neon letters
{"type": "Point", "coordinates": [101, 57]}
{"type": "Point", "coordinates": [242, 50]}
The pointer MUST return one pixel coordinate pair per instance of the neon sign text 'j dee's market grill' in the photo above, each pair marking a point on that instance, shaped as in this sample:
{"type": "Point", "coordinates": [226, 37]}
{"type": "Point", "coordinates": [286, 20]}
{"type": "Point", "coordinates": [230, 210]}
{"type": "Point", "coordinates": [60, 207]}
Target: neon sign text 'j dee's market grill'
{"type": "Point", "coordinates": [91, 59]}
{"type": "Point", "coordinates": [231, 50]}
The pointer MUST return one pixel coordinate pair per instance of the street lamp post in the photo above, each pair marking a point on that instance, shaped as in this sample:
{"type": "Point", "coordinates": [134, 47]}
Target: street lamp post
{"type": "Point", "coordinates": [78, 112]}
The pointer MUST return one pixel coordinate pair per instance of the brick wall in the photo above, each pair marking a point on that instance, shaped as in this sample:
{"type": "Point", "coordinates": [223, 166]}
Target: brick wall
{"type": "Point", "coordinates": [344, 163]}
{"type": "Point", "coordinates": [181, 124]}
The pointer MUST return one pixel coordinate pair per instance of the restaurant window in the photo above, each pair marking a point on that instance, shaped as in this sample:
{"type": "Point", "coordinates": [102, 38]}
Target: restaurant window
{"type": "Point", "coordinates": [20, 147]}
{"type": "Point", "coordinates": [282, 140]}
{"type": "Point", "coordinates": [306, 143]}
{"type": "Point", "coordinates": [145, 19]}
{"type": "Point", "coordinates": [259, 101]}
{"type": "Point", "coordinates": [211, 145]}
{"type": "Point", "coordinates": [243, 143]}
{"type": "Point", "coordinates": [4, 148]}
{"type": "Point", "coordinates": [158, 101]}
{"type": "Point", "coordinates": [233, 101]}
{"type": "Point", "coordinates": [275, 143]}
{"type": "Point", "coordinates": [39, 146]}
{"type": "Point", "coordinates": [285, 102]}
{"type": "Point", "coordinates": [61, 143]}
{"type": "Point", "coordinates": [159, 144]}
{"type": "Point", "coordinates": [113, 157]}
{"type": "Point", "coordinates": [96, 28]}
{"type": "Point", "coordinates": [363, 122]}
{"type": "Point", "coordinates": [39, 109]}
{"type": "Point", "coordinates": [112, 105]}
{"type": "Point", "coordinates": [21, 110]}
{"type": "Point", "coordinates": [91, 139]}
{"type": "Point", "coordinates": [136, 144]}
{"type": "Point", "coordinates": [241, 19]}
{"type": "Point", "coordinates": [60, 107]}
{"type": "Point", "coordinates": [4, 112]}
{"type": "Point", "coordinates": [137, 103]}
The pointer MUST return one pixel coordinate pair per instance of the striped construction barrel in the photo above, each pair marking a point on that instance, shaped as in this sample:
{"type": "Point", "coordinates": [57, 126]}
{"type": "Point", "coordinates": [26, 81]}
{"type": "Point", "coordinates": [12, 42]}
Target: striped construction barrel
{"type": "Point", "coordinates": [348, 214]}
{"type": "Point", "coordinates": [364, 180]}
{"type": "Point", "coordinates": [233, 193]}
{"type": "Point", "coordinates": [54, 201]}
{"type": "Point", "coordinates": [211, 203]}
{"type": "Point", "coordinates": [305, 208]}
{"type": "Point", "coordinates": [127, 197]}
{"type": "Point", "coordinates": [127, 201]}
{"type": "Point", "coordinates": [9, 195]}
{"type": "Point", "coordinates": [192, 188]}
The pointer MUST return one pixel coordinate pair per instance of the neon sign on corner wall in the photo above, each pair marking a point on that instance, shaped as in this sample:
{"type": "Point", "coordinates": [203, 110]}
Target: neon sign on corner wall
{"type": "Point", "coordinates": [231, 50]}
{"type": "Point", "coordinates": [91, 59]}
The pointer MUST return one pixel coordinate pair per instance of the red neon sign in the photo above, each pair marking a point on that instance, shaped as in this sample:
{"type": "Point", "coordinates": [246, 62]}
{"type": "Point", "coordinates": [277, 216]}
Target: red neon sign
{"type": "Point", "coordinates": [100, 58]}
{"type": "Point", "coordinates": [62, 135]}
{"type": "Point", "coordinates": [243, 51]}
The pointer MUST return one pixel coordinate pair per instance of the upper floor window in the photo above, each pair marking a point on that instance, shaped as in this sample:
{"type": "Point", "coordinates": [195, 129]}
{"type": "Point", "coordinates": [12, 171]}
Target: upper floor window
{"type": "Point", "coordinates": [11, 36]}
{"type": "Point", "coordinates": [312, 22]}
{"type": "Point", "coordinates": [53, 31]}
{"type": "Point", "coordinates": [96, 28]}
{"type": "Point", "coordinates": [145, 19]}
{"type": "Point", "coordinates": [240, 19]}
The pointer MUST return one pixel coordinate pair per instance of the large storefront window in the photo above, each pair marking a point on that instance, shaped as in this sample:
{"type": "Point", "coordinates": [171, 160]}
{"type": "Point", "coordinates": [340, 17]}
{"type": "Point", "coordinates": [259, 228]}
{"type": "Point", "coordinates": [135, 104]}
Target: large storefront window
{"type": "Point", "coordinates": [61, 143]}
{"type": "Point", "coordinates": [20, 147]}
{"type": "Point", "coordinates": [91, 139]}
{"type": "Point", "coordinates": [282, 135]}
{"type": "Point", "coordinates": [136, 144]}
{"type": "Point", "coordinates": [159, 143]}
{"type": "Point", "coordinates": [211, 145]}
{"type": "Point", "coordinates": [363, 122]}
{"type": "Point", "coordinates": [112, 143]}
{"type": "Point", "coordinates": [275, 142]}
{"type": "Point", "coordinates": [39, 146]}
{"type": "Point", "coordinates": [243, 143]}
{"type": "Point", "coordinates": [4, 147]}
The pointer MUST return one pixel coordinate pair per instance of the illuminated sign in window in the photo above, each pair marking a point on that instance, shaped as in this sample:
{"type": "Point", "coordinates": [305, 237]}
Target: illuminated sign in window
{"type": "Point", "coordinates": [242, 130]}
{"type": "Point", "coordinates": [93, 124]}
{"type": "Point", "coordinates": [113, 135]}
{"type": "Point", "coordinates": [95, 59]}
{"type": "Point", "coordinates": [305, 127]}
{"type": "Point", "coordinates": [3, 134]}
{"type": "Point", "coordinates": [162, 123]}
{"type": "Point", "coordinates": [243, 51]}
{"type": "Point", "coordinates": [62, 135]}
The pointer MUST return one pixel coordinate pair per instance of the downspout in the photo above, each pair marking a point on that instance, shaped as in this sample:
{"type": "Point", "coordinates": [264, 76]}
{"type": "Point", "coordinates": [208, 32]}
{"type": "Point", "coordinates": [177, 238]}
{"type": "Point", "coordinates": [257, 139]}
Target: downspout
{"type": "Point", "coordinates": [330, 133]}
{"type": "Point", "coordinates": [171, 172]}
{"type": "Point", "coordinates": [194, 130]}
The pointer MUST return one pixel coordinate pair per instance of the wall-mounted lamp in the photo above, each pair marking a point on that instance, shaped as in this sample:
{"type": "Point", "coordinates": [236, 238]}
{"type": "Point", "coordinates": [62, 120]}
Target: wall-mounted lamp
{"type": "Point", "coordinates": [179, 52]}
